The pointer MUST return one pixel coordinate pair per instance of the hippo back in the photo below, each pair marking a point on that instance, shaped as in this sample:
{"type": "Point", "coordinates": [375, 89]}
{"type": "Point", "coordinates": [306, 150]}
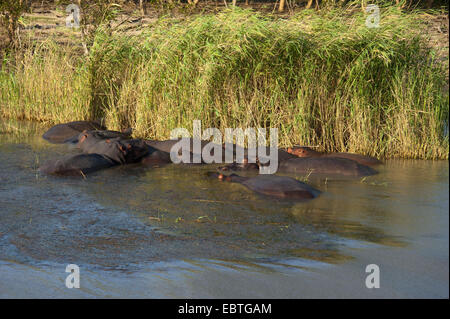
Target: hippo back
{"type": "Point", "coordinates": [61, 132]}
{"type": "Point", "coordinates": [76, 165]}
{"type": "Point", "coordinates": [361, 159]}
{"type": "Point", "coordinates": [280, 186]}
{"type": "Point", "coordinates": [326, 166]}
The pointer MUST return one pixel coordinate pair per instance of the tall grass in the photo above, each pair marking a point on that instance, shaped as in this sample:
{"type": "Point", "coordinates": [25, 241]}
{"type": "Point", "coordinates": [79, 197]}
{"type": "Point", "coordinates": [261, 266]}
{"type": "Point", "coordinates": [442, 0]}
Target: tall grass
{"type": "Point", "coordinates": [322, 78]}
{"type": "Point", "coordinates": [47, 83]}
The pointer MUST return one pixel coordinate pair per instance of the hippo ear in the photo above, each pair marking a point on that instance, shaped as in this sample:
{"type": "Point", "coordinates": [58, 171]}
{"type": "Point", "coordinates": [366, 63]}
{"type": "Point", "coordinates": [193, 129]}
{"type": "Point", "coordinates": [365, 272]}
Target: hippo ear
{"type": "Point", "coordinates": [122, 149]}
{"type": "Point", "coordinates": [83, 137]}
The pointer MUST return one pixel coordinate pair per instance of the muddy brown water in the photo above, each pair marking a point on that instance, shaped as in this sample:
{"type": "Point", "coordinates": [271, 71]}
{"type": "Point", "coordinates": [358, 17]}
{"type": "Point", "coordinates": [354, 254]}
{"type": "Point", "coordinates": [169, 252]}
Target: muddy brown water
{"type": "Point", "coordinates": [172, 232]}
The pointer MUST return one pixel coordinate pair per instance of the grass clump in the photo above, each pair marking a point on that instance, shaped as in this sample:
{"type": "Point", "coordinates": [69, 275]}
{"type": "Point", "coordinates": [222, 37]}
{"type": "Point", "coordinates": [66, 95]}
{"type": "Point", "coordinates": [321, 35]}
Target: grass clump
{"type": "Point", "coordinates": [322, 78]}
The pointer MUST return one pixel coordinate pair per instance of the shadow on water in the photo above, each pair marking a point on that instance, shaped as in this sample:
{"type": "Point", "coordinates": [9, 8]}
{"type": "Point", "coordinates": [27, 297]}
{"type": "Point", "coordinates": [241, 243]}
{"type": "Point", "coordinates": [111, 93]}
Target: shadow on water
{"type": "Point", "coordinates": [124, 217]}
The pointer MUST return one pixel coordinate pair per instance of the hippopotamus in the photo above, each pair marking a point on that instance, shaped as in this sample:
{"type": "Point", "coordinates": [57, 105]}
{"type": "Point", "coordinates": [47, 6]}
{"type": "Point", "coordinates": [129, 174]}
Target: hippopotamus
{"type": "Point", "coordinates": [249, 153]}
{"type": "Point", "coordinates": [155, 157]}
{"type": "Point", "coordinates": [272, 185]}
{"type": "Point", "coordinates": [76, 165]}
{"type": "Point", "coordinates": [193, 155]}
{"type": "Point", "coordinates": [95, 135]}
{"type": "Point", "coordinates": [229, 152]}
{"type": "Point", "coordinates": [303, 151]}
{"type": "Point", "coordinates": [325, 166]}
{"type": "Point", "coordinates": [166, 145]}
{"type": "Point", "coordinates": [248, 163]}
{"type": "Point", "coordinates": [60, 133]}
{"type": "Point", "coordinates": [106, 153]}
{"type": "Point", "coordinates": [120, 150]}
{"type": "Point", "coordinates": [243, 166]}
{"type": "Point", "coordinates": [87, 140]}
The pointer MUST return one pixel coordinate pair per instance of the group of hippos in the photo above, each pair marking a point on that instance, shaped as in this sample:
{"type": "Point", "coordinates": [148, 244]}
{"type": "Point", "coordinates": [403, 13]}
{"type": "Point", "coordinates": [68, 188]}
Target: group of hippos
{"type": "Point", "coordinates": [101, 148]}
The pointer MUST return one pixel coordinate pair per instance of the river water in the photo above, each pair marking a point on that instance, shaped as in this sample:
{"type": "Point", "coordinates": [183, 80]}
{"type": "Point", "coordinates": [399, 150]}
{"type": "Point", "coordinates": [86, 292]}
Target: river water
{"type": "Point", "coordinates": [171, 232]}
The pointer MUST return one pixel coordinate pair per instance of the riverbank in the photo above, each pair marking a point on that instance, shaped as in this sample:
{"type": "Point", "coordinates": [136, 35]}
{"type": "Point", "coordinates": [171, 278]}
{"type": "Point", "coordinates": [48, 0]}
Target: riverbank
{"type": "Point", "coordinates": [321, 77]}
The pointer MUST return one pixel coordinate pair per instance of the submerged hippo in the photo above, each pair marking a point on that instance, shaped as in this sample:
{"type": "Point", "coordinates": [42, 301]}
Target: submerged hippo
{"type": "Point", "coordinates": [272, 185]}
{"type": "Point", "coordinates": [76, 165]}
{"type": "Point", "coordinates": [326, 166]}
{"type": "Point", "coordinates": [303, 151]}
{"type": "Point", "coordinates": [244, 166]}
{"type": "Point", "coordinates": [156, 157]}
{"type": "Point", "coordinates": [60, 133]}
{"type": "Point", "coordinates": [248, 163]}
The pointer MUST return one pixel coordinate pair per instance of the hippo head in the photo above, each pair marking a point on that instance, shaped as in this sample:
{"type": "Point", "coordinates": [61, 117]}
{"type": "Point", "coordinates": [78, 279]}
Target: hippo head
{"type": "Point", "coordinates": [302, 151]}
{"type": "Point", "coordinates": [133, 150]}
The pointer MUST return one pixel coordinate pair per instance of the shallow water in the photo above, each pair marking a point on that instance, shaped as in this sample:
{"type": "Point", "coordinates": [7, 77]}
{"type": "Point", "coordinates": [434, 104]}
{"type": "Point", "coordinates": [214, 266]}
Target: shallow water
{"type": "Point", "coordinates": [171, 232]}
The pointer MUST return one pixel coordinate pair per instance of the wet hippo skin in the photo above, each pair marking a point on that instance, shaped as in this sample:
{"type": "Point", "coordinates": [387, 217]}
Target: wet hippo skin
{"type": "Point", "coordinates": [244, 166]}
{"type": "Point", "coordinates": [117, 149]}
{"type": "Point", "coordinates": [265, 151]}
{"type": "Point", "coordinates": [166, 146]}
{"type": "Point", "coordinates": [156, 157]}
{"type": "Point", "coordinates": [227, 149]}
{"type": "Point", "coordinates": [326, 166]}
{"type": "Point", "coordinates": [60, 133]}
{"type": "Point", "coordinates": [303, 151]}
{"type": "Point", "coordinates": [107, 153]}
{"type": "Point", "coordinates": [88, 141]}
{"type": "Point", "coordinates": [76, 165]}
{"type": "Point", "coordinates": [96, 135]}
{"type": "Point", "coordinates": [272, 185]}
{"type": "Point", "coordinates": [115, 145]}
